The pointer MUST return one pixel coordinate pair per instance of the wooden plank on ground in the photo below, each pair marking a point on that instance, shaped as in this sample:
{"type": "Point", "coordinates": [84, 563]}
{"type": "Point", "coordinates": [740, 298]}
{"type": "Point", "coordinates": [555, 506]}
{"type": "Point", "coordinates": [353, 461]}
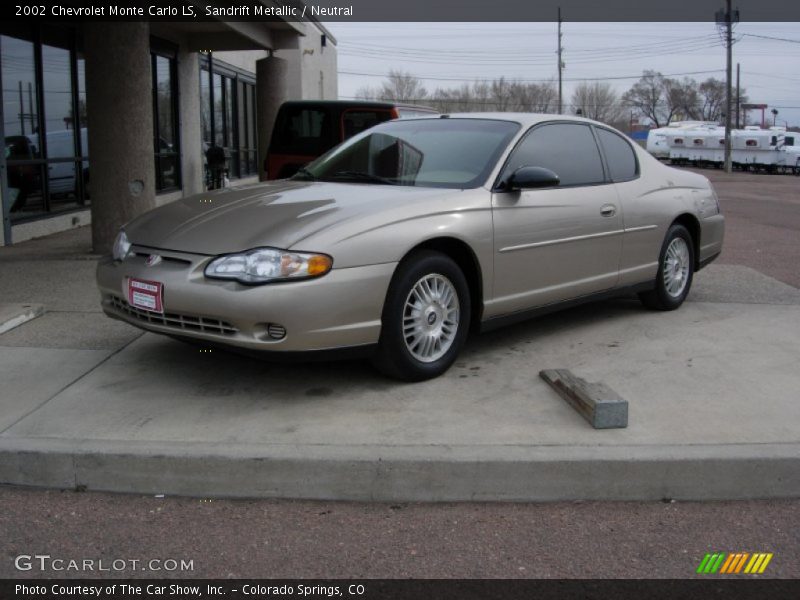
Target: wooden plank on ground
{"type": "Point", "coordinates": [596, 402]}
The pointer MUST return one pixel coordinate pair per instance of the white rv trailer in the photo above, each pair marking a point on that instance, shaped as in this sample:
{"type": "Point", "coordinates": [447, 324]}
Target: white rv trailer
{"type": "Point", "coordinates": [695, 144]}
{"type": "Point", "coordinates": [705, 146]}
{"type": "Point", "coordinates": [657, 142]}
{"type": "Point", "coordinates": [765, 149]}
{"type": "Point", "coordinates": [753, 148]}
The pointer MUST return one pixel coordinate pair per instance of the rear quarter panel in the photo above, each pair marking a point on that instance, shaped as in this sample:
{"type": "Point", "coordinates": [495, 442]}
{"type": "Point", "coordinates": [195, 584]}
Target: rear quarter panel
{"type": "Point", "coordinates": [651, 204]}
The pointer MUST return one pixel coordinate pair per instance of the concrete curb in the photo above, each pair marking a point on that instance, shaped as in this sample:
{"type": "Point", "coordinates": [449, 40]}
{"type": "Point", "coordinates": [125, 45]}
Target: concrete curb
{"type": "Point", "coordinates": [407, 473]}
{"type": "Point", "coordinates": [14, 315]}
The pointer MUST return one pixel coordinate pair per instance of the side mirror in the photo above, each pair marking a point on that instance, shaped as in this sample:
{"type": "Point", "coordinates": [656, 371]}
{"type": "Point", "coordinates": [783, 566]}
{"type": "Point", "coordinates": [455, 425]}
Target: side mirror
{"type": "Point", "coordinates": [526, 178]}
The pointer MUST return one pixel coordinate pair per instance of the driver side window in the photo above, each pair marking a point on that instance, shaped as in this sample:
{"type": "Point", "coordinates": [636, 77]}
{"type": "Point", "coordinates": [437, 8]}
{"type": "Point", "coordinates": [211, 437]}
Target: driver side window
{"type": "Point", "coordinates": [567, 149]}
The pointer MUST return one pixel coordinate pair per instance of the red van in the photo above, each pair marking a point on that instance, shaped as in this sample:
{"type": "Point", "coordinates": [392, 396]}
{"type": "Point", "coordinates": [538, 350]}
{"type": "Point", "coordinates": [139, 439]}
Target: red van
{"type": "Point", "coordinates": [306, 129]}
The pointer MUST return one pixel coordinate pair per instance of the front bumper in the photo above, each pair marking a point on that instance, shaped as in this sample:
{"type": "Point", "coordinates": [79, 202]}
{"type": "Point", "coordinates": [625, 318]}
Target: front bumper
{"type": "Point", "coordinates": [339, 310]}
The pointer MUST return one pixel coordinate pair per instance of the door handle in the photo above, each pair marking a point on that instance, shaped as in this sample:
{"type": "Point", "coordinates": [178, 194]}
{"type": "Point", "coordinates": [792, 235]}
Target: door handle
{"type": "Point", "coordinates": [608, 210]}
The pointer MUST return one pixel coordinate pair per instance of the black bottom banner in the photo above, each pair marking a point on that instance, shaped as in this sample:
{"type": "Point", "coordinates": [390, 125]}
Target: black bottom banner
{"type": "Point", "coordinates": [407, 589]}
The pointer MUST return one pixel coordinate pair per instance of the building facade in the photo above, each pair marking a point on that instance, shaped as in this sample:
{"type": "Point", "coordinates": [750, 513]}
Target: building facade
{"type": "Point", "coordinates": [103, 121]}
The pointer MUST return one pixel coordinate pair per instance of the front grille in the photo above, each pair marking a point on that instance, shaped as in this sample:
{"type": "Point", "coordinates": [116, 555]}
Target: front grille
{"type": "Point", "coordinates": [183, 322]}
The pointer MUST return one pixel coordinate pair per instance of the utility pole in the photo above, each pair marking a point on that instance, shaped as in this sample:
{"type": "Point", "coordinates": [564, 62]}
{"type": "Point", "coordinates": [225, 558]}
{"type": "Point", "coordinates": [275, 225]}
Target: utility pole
{"type": "Point", "coordinates": [728, 83]}
{"type": "Point", "coordinates": [738, 96]}
{"type": "Point", "coordinates": [560, 64]}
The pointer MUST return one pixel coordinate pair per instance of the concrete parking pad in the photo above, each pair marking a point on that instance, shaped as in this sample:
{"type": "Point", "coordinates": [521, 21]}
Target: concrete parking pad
{"type": "Point", "coordinates": [79, 330]}
{"type": "Point", "coordinates": [14, 315]}
{"type": "Point", "coordinates": [32, 376]}
{"type": "Point", "coordinates": [712, 392]}
{"type": "Point", "coordinates": [58, 284]}
{"type": "Point", "coordinates": [707, 374]}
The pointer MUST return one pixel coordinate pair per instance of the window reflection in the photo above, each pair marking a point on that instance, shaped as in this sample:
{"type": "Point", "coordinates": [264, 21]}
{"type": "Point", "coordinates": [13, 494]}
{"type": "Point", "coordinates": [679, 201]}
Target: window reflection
{"type": "Point", "coordinates": [82, 116]}
{"type": "Point", "coordinates": [20, 117]}
{"type": "Point", "coordinates": [205, 106]}
{"type": "Point", "coordinates": [165, 110]}
{"type": "Point", "coordinates": [21, 125]}
{"type": "Point", "coordinates": [230, 100]}
{"type": "Point", "coordinates": [164, 101]}
{"type": "Point", "coordinates": [219, 111]}
{"type": "Point", "coordinates": [25, 193]}
{"type": "Point", "coordinates": [42, 115]}
{"type": "Point", "coordinates": [60, 121]}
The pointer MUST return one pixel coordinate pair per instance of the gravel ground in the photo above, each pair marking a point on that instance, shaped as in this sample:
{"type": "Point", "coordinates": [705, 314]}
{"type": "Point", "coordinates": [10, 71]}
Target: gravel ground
{"type": "Point", "coordinates": [304, 539]}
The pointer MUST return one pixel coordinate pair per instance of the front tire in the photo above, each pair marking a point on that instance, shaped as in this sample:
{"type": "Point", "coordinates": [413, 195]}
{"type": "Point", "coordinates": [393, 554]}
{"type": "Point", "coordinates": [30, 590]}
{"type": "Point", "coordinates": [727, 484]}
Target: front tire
{"type": "Point", "coordinates": [675, 271]}
{"type": "Point", "coordinates": [425, 318]}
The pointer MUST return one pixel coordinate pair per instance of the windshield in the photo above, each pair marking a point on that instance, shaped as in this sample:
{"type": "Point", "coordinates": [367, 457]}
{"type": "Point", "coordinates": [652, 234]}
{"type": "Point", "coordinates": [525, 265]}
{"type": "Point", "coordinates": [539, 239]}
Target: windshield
{"type": "Point", "coordinates": [449, 153]}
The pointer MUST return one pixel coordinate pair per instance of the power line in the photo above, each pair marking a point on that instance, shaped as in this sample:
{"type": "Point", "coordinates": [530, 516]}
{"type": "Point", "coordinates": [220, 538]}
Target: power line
{"type": "Point", "coordinates": [526, 80]}
{"type": "Point", "coordinates": [496, 60]}
{"type": "Point", "coordinates": [769, 37]}
{"type": "Point", "coordinates": [676, 43]}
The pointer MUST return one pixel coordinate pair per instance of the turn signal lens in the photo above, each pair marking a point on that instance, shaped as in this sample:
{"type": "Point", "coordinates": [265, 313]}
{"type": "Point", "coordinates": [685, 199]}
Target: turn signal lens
{"type": "Point", "coordinates": [319, 264]}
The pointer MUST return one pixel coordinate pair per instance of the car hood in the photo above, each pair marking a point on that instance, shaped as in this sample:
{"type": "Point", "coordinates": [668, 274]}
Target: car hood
{"type": "Point", "coordinates": [280, 214]}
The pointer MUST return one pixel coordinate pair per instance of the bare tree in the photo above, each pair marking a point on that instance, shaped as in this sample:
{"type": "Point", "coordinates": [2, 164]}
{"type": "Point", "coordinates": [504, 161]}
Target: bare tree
{"type": "Point", "coordinates": [501, 94]}
{"type": "Point", "coordinates": [399, 86]}
{"type": "Point", "coordinates": [648, 97]}
{"type": "Point", "coordinates": [598, 101]}
{"type": "Point", "coordinates": [367, 93]}
{"type": "Point", "coordinates": [682, 98]}
{"type": "Point", "coordinates": [498, 95]}
{"type": "Point", "coordinates": [534, 97]}
{"type": "Point", "coordinates": [711, 99]}
{"type": "Point", "coordinates": [461, 99]}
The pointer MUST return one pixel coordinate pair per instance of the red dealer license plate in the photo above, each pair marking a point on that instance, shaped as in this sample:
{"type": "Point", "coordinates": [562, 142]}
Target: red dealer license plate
{"type": "Point", "coordinates": [146, 295]}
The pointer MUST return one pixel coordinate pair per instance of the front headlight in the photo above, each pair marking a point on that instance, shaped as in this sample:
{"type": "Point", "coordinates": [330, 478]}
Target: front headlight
{"type": "Point", "coordinates": [121, 246]}
{"type": "Point", "coordinates": [265, 265]}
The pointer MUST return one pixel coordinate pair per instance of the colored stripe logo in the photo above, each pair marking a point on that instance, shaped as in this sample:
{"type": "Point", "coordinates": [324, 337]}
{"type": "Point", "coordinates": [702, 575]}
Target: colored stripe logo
{"type": "Point", "coordinates": [729, 563]}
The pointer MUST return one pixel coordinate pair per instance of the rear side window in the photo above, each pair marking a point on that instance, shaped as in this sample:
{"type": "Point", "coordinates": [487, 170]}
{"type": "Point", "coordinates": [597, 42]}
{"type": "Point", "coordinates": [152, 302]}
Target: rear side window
{"type": "Point", "coordinates": [356, 121]}
{"type": "Point", "coordinates": [304, 130]}
{"type": "Point", "coordinates": [621, 159]}
{"type": "Point", "coordinates": [567, 149]}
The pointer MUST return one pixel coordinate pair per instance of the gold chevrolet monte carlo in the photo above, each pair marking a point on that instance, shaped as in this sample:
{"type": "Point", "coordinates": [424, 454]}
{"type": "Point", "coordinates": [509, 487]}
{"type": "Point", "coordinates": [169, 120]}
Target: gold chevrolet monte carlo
{"type": "Point", "coordinates": [398, 242]}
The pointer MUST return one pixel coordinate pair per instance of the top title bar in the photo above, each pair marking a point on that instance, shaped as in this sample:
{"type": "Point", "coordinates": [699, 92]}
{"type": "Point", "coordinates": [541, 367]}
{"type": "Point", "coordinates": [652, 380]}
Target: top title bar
{"type": "Point", "coordinates": [404, 10]}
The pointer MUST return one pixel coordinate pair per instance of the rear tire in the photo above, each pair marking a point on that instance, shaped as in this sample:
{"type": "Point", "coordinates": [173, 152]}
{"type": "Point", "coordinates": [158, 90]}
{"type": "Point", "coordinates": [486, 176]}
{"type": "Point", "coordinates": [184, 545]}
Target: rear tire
{"type": "Point", "coordinates": [425, 318]}
{"type": "Point", "coordinates": [675, 271]}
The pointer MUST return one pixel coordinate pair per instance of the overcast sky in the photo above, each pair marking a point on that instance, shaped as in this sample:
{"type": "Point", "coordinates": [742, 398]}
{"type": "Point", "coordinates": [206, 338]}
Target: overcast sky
{"type": "Point", "coordinates": [448, 54]}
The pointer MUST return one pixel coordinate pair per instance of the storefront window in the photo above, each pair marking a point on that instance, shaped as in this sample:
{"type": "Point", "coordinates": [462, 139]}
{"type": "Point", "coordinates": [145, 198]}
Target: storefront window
{"type": "Point", "coordinates": [247, 137]}
{"type": "Point", "coordinates": [165, 111]}
{"type": "Point", "coordinates": [41, 119]}
{"type": "Point", "coordinates": [219, 111]}
{"type": "Point", "coordinates": [227, 115]}
{"type": "Point", "coordinates": [205, 108]}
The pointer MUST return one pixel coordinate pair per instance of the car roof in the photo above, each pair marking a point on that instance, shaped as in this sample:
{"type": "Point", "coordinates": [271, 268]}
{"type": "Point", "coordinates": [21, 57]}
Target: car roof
{"type": "Point", "coordinates": [525, 119]}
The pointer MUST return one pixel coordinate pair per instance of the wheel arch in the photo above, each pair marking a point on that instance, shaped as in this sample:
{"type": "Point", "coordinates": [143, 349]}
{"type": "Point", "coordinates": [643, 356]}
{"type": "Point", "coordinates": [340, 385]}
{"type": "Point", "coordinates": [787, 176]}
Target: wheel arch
{"type": "Point", "coordinates": [692, 225]}
{"type": "Point", "coordinates": [463, 255]}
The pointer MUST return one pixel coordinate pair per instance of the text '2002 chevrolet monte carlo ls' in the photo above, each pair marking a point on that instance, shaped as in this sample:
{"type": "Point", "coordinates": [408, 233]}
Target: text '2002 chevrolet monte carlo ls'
{"type": "Point", "coordinates": [401, 240]}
